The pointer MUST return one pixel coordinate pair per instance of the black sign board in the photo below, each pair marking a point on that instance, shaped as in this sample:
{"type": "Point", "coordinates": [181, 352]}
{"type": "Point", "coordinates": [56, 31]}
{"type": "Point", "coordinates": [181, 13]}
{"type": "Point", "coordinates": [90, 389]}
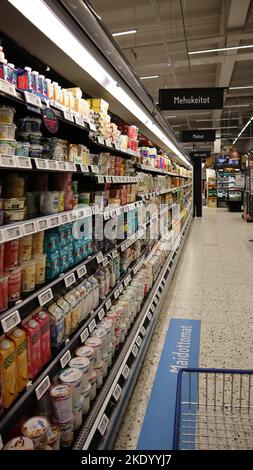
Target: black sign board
{"type": "Point", "coordinates": [190, 98]}
{"type": "Point", "coordinates": [199, 154]}
{"type": "Point", "coordinates": [50, 120]}
{"type": "Point", "coordinates": [207, 135]}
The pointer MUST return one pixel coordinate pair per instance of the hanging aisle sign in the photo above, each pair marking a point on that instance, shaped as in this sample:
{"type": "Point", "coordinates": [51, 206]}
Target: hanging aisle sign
{"type": "Point", "coordinates": [207, 135]}
{"type": "Point", "coordinates": [191, 98]}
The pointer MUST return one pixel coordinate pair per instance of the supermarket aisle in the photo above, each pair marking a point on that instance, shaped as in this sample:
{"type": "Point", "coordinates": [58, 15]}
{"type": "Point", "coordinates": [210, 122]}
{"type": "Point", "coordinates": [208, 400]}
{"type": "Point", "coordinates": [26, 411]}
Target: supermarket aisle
{"type": "Point", "coordinates": [213, 283]}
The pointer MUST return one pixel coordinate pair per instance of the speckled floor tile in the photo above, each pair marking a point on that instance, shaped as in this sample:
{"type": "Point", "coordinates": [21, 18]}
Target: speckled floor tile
{"type": "Point", "coordinates": [213, 283]}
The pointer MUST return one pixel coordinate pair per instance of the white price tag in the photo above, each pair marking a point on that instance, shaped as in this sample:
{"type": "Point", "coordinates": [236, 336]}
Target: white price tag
{"type": "Point", "coordinates": [113, 213]}
{"type": "Point", "coordinates": [81, 271]}
{"type": "Point", "coordinates": [101, 314]}
{"type": "Point", "coordinates": [54, 221]}
{"type": "Point", "coordinates": [94, 168]}
{"type": "Point", "coordinates": [108, 143]}
{"type": "Point", "coordinates": [69, 280]}
{"type": "Point", "coordinates": [95, 210]}
{"type": "Point", "coordinates": [101, 140]}
{"type": "Point", "coordinates": [152, 308]}
{"type": "Point", "coordinates": [117, 392]}
{"type": "Point", "coordinates": [28, 228]}
{"type": "Point", "coordinates": [108, 179]}
{"type": "Point", "coordinates": [156, 300]}
{"type": "Point", "coordinates": [33, 100]}
{"type": "Point", "coordinates": [125, 371]}
{"type": "Point", "coordinates": [62, 166]}
{"type": "Point", "coordinates": [84, 168]}
{"type": "Point", "coordinates": [123, 247]}
{"type": "Point", "coordinates": [100, 179]}
{"type": "Point", "coordinates": [138, 341]}
{"type": "Point", "coordinates": [64, 218]}
{"type": "Point", "coordinates": [103, 425]}
{"type": "Point", "coordinates": [7, 161]}
{"type": "Point", "coordinates": [127, 280]}
{"type": "Point", "coordinates": [135, 269]}
{"type": "Point", "coordinates": [117, 146]}
{"type": "Point", "coordinates": [100, 258]}
{"type": "Point", "coordinates": [84, 335]}
{"type": "Point", "coordinates": [118, 211]}
{"type": "Point", "coordinates": [52, 165]}
{"type": "Point", "coordinates": [79, 120]}
{"type": "Point", "coordinates": [121, 288]}
{"type": "Point", "coordinates": [71, 166]}
{"type": "Point", "coordinates": [10, 321]}
{"type": "Point", "coordinates": [56, 105]}
{"type": "Point", "coordinates": [8, 88]}
{"type": "Point", "coordinates": [45, 297]}
{"type": "Point", "coordinates": [149, 315]}
{"type": "Point", "coordinates": [115, 254]}
{"type": "Point", "coordinates": [135, 350]}
{"type": "Point", "coordinates": [126, 208]}
{"type": "Point", "coordinates": [92, 126]}
{"type": "Point", "coordinates": [108, 304]}
{"type": "Point", "coordinates": [42, 387]}
{"type": "Point", "coordinates": [13, 232]}
{"type": "Point", "coordinates": [116, 293]}
{"type": "Point", "coordinates": [105, 262]}
{"type": "Point", "coordinates": [23, 162]}
{"type": "Point", "coordinates": [65, 359]}
{"type": "Point", "coordinates": [72, 216]}
{"type": "Point", "coordinates": [41, 224]}
{"type": "Point", "coordinates": [106, 215]}
{"type": "Point", "coordinates": [143, 331]}
{"type": "Point", "coordinates": [68, 115]}
{"type": "Point", "coordinates": [92, 325]}
{"type": "Point", "coordinates": [41, 163]}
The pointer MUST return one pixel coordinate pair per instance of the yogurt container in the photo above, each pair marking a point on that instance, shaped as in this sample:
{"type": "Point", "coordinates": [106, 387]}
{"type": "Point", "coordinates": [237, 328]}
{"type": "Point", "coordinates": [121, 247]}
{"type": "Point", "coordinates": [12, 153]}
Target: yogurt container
{"type": "Point", "coordinates": [14, 203]}
{"type": "Point", "coordinates": [62, 402]}
{"type": "Point", "coordinates": [89, 353]}
{"type": "Point", "coordinates": [78, 414]}
{"type": "Point", "coordinates": [109, 360]}
{"type": "Point", "coordinates": [67, 433]}
{"type": "Point", "coordinates": [72, 377]}
{"type": "Point", "coordinates": [36, 429]}
{"type": "Point", "coordinates": [7, 147]}
{"type": "Point", "coordinates": [102, 335]}
{"type": "Point", "coordinates": [83, 364]}
{"type": "Point", "coordinates": [104, 367]}
{"type": "Point", "coordinates": [53, 437]}
{"type": "Point", "coordinates": [19, 443]}
{"type": "Point", "coordinates": [99, 372]}
{"type": "Point", "coordinates": [22, 149]}
{"type": "Point", "coordinates": [7, 131]}
{"type": "Point", "coordinates": [6, 115]}
{"type": "Point", "coordinates": [93, 384]}
{"type": "Point", "coordinates": [96, 344]}
{"type": "Point", "coordinates": [86, 394]}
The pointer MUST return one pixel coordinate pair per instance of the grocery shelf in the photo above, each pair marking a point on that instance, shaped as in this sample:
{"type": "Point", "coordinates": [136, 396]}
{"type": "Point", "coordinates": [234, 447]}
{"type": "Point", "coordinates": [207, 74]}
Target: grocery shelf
{"type": "Point", "coordinates": [102, 424]}
{"type": "Point", "coordinates": [149, 169]}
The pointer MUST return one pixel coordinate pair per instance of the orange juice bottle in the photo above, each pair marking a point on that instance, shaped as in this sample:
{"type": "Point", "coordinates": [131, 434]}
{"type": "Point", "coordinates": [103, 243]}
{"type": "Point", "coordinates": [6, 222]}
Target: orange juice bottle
{"type": "Point", "coordinates": [8, 369]}
{"type": "Point", "coordinates": [18, 337]}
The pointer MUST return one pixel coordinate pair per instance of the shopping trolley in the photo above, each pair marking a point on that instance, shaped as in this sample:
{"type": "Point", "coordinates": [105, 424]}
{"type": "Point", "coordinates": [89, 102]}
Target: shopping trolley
{"type": "Point", "coordinates": [214, 409]}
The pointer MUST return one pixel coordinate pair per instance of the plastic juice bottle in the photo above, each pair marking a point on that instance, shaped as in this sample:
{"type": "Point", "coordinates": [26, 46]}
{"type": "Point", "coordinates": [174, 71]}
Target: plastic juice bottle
{"type": "Point", "coordinates": [8, 369]}
{"type": "Point", "coordinates": [49, 89]}
{"type": "Point", "coordinates": [32, 329]}
{"type": "Point", "coordinates": [41, 79]}
{"type": "Point", "coordinates": [18, 337]}
{"type": "Point", "coordinates": [25, 79]}
{"type": "Point", "coordinates": [35, 82]}
{"type": "Point", "coordinates": [43, 319]}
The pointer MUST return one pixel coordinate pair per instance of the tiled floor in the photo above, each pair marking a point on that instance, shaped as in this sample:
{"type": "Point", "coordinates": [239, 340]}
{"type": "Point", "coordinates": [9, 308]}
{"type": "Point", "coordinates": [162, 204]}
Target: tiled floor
{"type": "Point", "coordinates": [213, 283]}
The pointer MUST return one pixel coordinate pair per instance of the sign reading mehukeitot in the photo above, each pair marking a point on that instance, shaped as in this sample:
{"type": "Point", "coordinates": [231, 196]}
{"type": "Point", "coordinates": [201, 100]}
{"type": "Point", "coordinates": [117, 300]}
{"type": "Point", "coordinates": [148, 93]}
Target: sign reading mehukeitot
{"type": "Point", "coordinates": [207, 135]}
{"type": "Point", "coordinates": [191, 98]}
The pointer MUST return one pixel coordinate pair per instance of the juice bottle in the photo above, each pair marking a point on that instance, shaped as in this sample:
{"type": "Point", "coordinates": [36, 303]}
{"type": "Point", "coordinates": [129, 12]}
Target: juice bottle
{"type": "Point", "coordinates": [32, 329]}
{"type": "Point", "coordinates": [18, 337]}
{"type": "Point", "coordinates": [43, 319]}
{"type": "Point", "coordinates": [8, 368]}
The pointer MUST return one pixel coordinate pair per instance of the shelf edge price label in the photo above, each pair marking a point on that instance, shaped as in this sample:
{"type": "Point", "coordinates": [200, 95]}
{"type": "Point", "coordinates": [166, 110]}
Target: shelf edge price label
{"type": "Point", "coordinates": [45, 297]}
{"type": "Point", "coordinates": [41, 164]}
{"type": "Point", "coordinates": [71, 166]}
{"type": "Point", "coordinates": [138, 341]}
{"type": "Point", "coordinates": [79, 120]}
{"type": "Point", "coordinates": [105, 262]}
{"type": "Point", "coordinates": [99, 258]}
{"type": "Point", "coordinates": [52, 165]}
{"type": "Point", "coordinates": [84, 168]}
{"type": "Point", "coordinates": [84, 335]}
{"type": "Point", "coordinates": [64, 218]}
{"type": "Point", "coordinates": [13, 232]}
{"type": "Point", "coordinates": [94, 168]}
{"type": "Point", "coordinates": [28, 228]}
{"type": "Point", "coordinates": [156, 299]}
{"type": "Point", "coordinates": [33, 100]}
{"type": "Point", "coordinates": [92, 325]}
{"type": "Point", "coordinates": [117, 392]}
{"type": "Point", "coordinates": [54, 221]}
{"type": "Point", "coordinates": [121, 288]}
{"type": "Point", "coordinates": [135, 350]}
{"type": "Point", "coordinates": [81, 271]}
{"type": "Point", "coordinates": [108, 304]}
{"type": "Point", "coordinates": [101, 140]}
{"type": "Point", "coordinates": [108, 179]}
{"type": "Point", "coordinates": [65, 358]}
{"type": "Point", "coordinates": [10, 321]}
{"type": "Point", "coordinates": [115, 254]}
{"type": "Point", "coordinates": [69, 280]}
{"type": "Point", "coordinates": [7, 87]}
{"type": "Point", "coordinates": [42, 387]}
{"type": "Point", "coordinates": [103, 424]}
{"type": "Point", "coordinates": [8, 161]}
{"type": "Point", "coordinates": [149, 315]}
{"type": "Point", "coordinates": [106, 215]}
{"type": "Point", "coordinates": [23, 162]}
{"type": "Point", "coordinates": [152, 308]}
{"type": "Point", "coordinates": [116, 293]}
{"type": "Point", "coordinates": [68, 115]}
{"type": "Point", "coordinates": [101, 313]}
{"type": "Point", "coordinates": [127, 280]}
{"type": "Point", "coordinates": [42, 224]}
{"type": "Point", "coordinates": [100, 179]}
{"type": "Point", "coordinates": [143, 331]}
{"type": "Point", "coordinates": [118, 211]}
{"type": "Point", "coordinates": [123, 247]}
{"type": "Point", "coordinates": [125, 371]}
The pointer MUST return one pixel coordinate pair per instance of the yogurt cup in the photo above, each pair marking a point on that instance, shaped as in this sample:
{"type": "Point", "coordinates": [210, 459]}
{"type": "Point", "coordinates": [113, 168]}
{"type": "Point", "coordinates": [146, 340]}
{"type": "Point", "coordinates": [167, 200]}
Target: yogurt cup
{"type": "Point", "coordinates": [109, 360]}
{"type": "Point", "coordinates": [36, 429]}
{"type": "Point", "coordinates": [101, 333]}
{"type": "Point", "coordinates": [86, 394]}
{"type": "Point", "coordinates": [67, 433]}
{"type": "Point", "coordinates": [99, 372]}
{"type": "Point", "coordinates": [96, 344]}
{"type": "Point", "coordinates": [72, 377]}
{"type": "Point", "coordinates": [83, 364]}
{"type": "Point", "coordinates": [62, 402]}
{"type": "Point", "coordinates": [6, 114]}
{"type": "Point", "coordinates": [78, 414]}
{"type": "Point", "coordinates": [19, 443]}
{"type": "Point", "coordinates": [105, 364]}
{"type": "Point", "coordinates": [93, 384]}
{"type": "Point", "coordinates": [89, 353]}
{"type": "Point", "coordinates": [53, 437]}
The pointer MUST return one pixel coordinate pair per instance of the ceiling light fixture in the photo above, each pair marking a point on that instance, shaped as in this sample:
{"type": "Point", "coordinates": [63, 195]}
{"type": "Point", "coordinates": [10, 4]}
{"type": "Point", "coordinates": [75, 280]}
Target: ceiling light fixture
{"type": "Point", "coordinates": [43, 18]}
{"type": "Point", "coordinates": [169, 117]}
{"type": "Point", "coordinates": [227, 127]}
{"type": "Point", "coordinates": [243, 129]}
{"type": "Point", "coordinates": [236, 106]}
{"type": "Point", "coordinates": [213, 120]}
{"type": "Point", "coordinates": [220, 49]}
{"type": "Point", "coordinates": [124, 33]}
{"type": "Point", "coordinates": [150, 77]}
{"type": "Point", "coordinates": [246, 87]}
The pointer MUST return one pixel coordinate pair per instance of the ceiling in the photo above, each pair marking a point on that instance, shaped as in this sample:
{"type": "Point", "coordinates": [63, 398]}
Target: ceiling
{"type": "Point", "coordinates": [166, 31]}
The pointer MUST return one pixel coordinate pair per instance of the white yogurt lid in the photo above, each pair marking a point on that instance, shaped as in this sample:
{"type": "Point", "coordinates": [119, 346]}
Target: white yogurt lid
{"type": "Point", "coordinates": [85, 351]}
{"type": "Point", "coordinates": [19, 443]}
{"type": "Point", "coordinates": [35, 426]}
{"type": "Point", "coordinates": [80, 362]}
{"type": "Point", "coordinates": [94, 342]}
{"type": "Point", "coordinates": [60, 391]}
{"type": "Point", "coordinates": [71, 375]}
{"type": "Point", "coordinates": [99, 333]}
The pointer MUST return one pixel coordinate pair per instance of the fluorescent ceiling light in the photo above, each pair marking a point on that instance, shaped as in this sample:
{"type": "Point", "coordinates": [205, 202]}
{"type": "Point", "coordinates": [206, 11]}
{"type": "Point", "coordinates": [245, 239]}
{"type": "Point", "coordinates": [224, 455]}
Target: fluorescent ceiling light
{"type": "Point", "coordinates": [227, 127]}
{"type": "Point", "coordinates": [169, 117]}
{"type": "Point", "coordinates": [40, 15]}
{"type": "Point", "coordinates": [149, 77]}
{"type": "Point", "coordinates": [243, 129]}
{"type": "Point", "coordinates": [213, 120]}
{"type": "Point", "coordinates": [125, 33]}
{"type": "Point", "coordinates": [220, 49]}
{"type": "Point", "coordinates": [236, 106]}
{"type": "Point", "coordinates": [240, 87]}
